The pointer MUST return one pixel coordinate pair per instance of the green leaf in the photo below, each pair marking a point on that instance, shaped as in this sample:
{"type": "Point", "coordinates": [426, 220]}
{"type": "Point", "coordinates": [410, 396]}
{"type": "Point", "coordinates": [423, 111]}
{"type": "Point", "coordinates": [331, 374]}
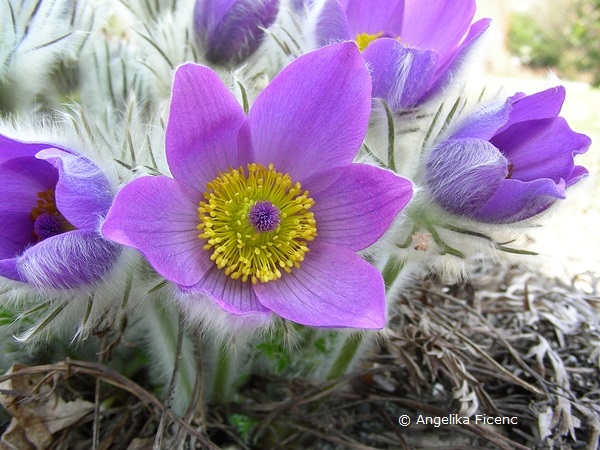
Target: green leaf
{"type": "Point", "coordinates": [243, 424]}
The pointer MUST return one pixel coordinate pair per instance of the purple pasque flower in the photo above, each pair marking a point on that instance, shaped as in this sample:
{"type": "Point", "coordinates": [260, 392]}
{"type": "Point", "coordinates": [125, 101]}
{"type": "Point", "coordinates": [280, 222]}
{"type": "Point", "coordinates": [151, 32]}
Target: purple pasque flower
{"type": "Point", "coordinates": [51, 203]}
{"type": "Point", "coordinates": [231, 30]}
{"type": "Point", "coordinates": [507, 161]}
{"type": "Point", "coordinates": [265, 212]}
{"type": "Point", "coordinates": [414, 48]}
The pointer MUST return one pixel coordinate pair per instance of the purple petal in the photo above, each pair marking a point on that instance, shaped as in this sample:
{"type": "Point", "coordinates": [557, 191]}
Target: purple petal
{"type": "Point", "coordinates": [233, 296]}
{"type": "Point", "coordinates": [208, 13]}
{"type": "Point", "coordinates": [16, 234]}
{"type": "Point", "coordinates": [541, 149]}
{"type": "Point", "coordinates": [68, 260]}
{"type": "Point", "coordinates": [8, 269]}
{"type": "Point", "coordinates": [312, 117]}
{"type": "Point", "coordinates": [516, 200]}
{"type": "Point", "coordinates": [333, 288]}
{"type": "Point", "coordinates": [439, 25]}
{"type": "Point", "coordinates": [463, 174]}
{"type": "Point", "coordinates": [372, 17]}
{"type": "Point", "coordinates": [401, 75]}
{"type": "Point", "coordinates": [484, 122]}
{"type": "Point", "coordinates": [22, 179]}
{"type": "Point", "coordinates": [204, 120]}
{"type": "Point", "coordinates": [578, 173]}
{"type": "Point", "coordinates": [82, 193]}
{"type": "Point", "coordinates": [359, 207]}
{"type": "Point", "coordinates": [158, 216]}
{"type": "Point", "coordinates": [232, 30]}
{"type": "Point", "coordinates": [543, 105]}
{"type": "Point", "coordinates": [10, 148]}
{"type": "Point", "coordinates": [447, 70]}
{"type": "Point", "coordinates": [455, 58]}
{"type": "Point", "coordinates": [332, 25]}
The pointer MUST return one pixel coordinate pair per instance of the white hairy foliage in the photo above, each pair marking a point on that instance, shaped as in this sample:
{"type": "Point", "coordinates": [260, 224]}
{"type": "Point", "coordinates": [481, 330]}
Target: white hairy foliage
{"type": "Point", "coordinates": [213, 323]}
{"type": "Point", "coordinates": [125, 142]}
{"type": "Point", "coordinates": [34, 36]}
{"type": "Point", "coordinates": [432, 248]}
{"type": "Point", "coordinates": [156, 38]}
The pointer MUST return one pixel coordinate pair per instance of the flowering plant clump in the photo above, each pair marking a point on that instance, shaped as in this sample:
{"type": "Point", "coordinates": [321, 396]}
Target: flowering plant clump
{"type": "Point", "coordinates": [265, 212]}
{"type": "Point", "coordinates": [264, 174]}
{"type": "Point", "coordinates": [52, 202]}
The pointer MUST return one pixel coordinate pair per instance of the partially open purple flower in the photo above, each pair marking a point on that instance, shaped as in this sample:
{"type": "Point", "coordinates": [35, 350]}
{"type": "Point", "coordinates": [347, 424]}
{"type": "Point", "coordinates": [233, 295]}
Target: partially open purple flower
{"type": "Point", "coordinates": [507, 161]}
{"type": "Point", "coordinates": [265, 212]}
{"type": "Point", "coordinates": [413, 47]}
{"type": "Point", "coordinates": [51, 203]}
{"type": "Point", "coordinates": [231, 30]}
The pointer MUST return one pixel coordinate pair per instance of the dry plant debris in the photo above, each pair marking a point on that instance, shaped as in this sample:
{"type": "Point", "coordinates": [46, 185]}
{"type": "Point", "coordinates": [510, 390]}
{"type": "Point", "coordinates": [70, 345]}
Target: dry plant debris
{"type": "Point", "coordinates": [509, 344]}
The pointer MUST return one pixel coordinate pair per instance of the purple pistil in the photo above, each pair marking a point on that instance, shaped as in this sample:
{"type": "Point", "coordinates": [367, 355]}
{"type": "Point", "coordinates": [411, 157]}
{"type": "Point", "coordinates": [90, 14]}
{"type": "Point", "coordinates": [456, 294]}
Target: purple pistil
{"type": "Point", "coordinates": [47, 225]}
{"type": "Point", "coordinates": [264, 216]}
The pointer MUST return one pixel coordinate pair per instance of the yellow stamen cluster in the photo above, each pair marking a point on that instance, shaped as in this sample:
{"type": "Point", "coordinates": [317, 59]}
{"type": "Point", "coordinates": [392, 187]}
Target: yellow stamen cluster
{"type": "Point", "coordinates": [46, 204]}
{"type": "Point", "coordinates": [364, 39]}
{"type": "Point", "coordinates": [238, 248]}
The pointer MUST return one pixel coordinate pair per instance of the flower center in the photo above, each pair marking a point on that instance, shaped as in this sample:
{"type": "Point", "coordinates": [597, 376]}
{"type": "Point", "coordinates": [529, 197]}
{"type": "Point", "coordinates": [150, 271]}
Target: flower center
{"type": "Point", "coordinates": [47, 220]}
{"type": "Point", "coordinates": [364, 39]}
{"type": "Point", "coordinates": [256, 222]}
{"type": "Point", "coordinates": [264, 216]}
{"type": "Point", "coordinates": [511, 167]}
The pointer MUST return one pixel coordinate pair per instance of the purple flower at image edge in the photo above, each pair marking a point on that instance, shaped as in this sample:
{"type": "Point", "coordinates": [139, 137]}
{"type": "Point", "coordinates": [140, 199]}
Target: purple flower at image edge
{"type": "Point", "coordinates": [265, 212]}
{"type": "Point", "coordinates": [507, 161]}
{"type": "Point", "coordinates": [51, 204]}
{"type": "Point", "coordinates": [413, 48]}
{"type": "Point", "coordinates": [231, 30]}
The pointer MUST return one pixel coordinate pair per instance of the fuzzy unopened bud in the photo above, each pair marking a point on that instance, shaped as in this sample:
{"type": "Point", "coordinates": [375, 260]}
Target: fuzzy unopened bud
{"type": "Point", "coordinates": [231, 30]}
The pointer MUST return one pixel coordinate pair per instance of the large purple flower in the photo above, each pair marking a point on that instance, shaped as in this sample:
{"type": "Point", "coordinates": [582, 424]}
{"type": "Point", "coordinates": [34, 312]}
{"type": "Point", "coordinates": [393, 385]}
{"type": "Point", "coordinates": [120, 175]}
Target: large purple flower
{"type": "Point", "coordinates": [507, 161]}
{"type": "Point", "coordinates": [51, 203]}
{"type": "Point", "coordinates": [231, 30]}
{"type": "Point", "coordinates": [413, 48]}
{"type": "Point", "coordinates": [265, 212]}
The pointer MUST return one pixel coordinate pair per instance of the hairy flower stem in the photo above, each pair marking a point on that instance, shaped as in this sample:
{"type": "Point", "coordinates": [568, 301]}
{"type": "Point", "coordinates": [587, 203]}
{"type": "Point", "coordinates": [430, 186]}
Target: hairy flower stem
{"type": "Point", "coordinates": [391, 271]}
{"type": "Point", "coordinates": [164, 332]}
{"type": "Point", "coordinates": [222, 372]}
{"type": "Point", "coordinates": [345, 356]}
{"type": "Point", "coordinates": [171, 389]}
{"type": "Point", "coordinates": [349, 348]}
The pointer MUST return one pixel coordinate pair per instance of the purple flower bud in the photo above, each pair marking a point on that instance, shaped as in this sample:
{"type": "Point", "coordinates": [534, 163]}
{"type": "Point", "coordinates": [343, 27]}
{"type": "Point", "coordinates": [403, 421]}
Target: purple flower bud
{"type": "Point", "coordinates": [231, 30]}
{"type": "Point", "coordinates": [507, 162]}
{"type": "Point", "coordinates": [51, 203]}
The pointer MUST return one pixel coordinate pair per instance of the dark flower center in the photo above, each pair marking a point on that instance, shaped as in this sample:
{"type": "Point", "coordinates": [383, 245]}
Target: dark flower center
{"type": "Point", "coordinates": [264, 216]}
{"type": "Point", "coordinates": [511, 167]}
{"type": "Point", "coordinates": [46, 225]}
{"type": "Point", "coordinates": [47, 219]}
